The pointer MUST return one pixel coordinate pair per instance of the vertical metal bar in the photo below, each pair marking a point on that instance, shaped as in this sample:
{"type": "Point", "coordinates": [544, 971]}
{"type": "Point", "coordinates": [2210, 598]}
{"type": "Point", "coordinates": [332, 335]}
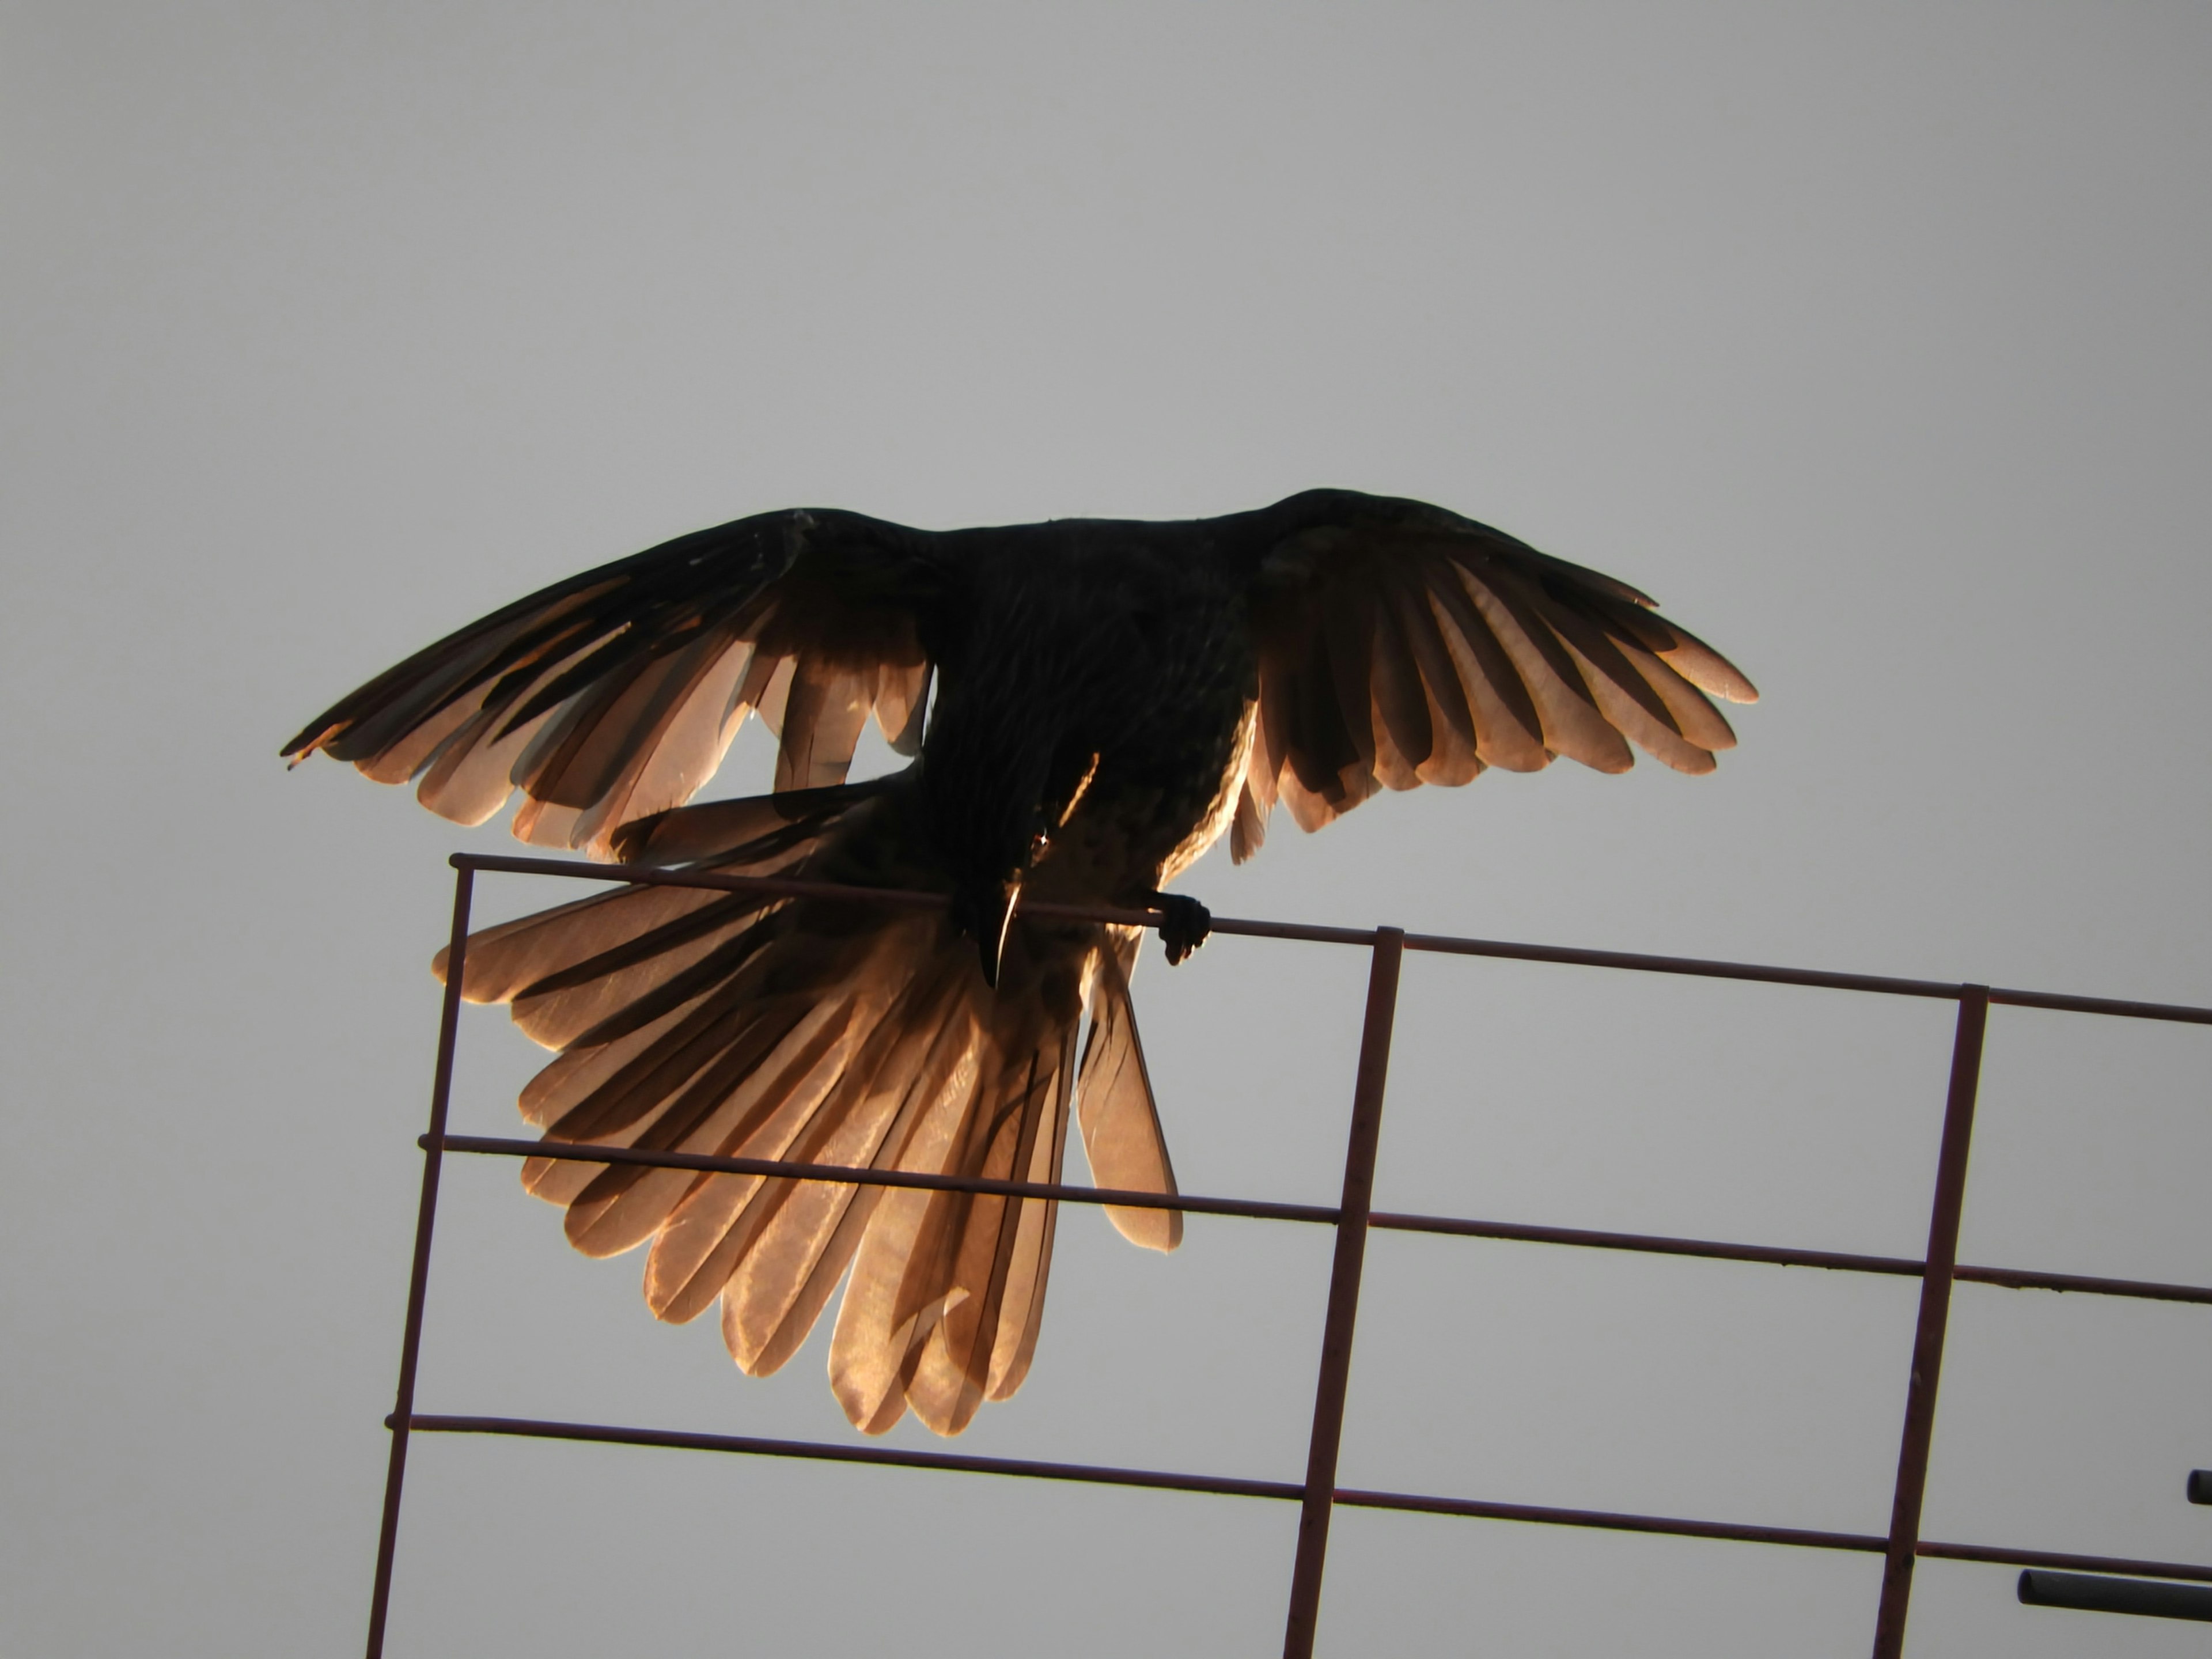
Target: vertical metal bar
{"type": "Point", "coordinates": [1935, 1315]}
{"type": "Point", "coordinates": [1344, 1291]}
{"type": "Point", "coordinates": [411, 1344]}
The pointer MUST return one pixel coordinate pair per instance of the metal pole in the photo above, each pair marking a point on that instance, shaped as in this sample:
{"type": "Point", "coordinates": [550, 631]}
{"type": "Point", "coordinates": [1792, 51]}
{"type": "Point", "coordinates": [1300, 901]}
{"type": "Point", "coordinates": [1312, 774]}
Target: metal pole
{"type": "Point", "coordinates": [411, 1344]}
{"type": "Point", "coordinates": [1344, 1291]}
{"type": "Point", "coordinates": [1935, 1313]}
{"type": "Point", "coordinates": [2089, 1594]}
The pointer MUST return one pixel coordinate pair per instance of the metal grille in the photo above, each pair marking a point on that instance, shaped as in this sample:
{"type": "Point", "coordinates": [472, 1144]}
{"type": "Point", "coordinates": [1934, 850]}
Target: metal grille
{"type": "Point", "coordinates": [1318, 1494]}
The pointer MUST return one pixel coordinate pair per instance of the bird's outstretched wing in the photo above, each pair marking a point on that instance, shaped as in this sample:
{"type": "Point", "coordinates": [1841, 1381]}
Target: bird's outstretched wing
{"type": "Point", "coordinates": [1400, 644]}
{"type": "Point", "coordinates": [614, 695]}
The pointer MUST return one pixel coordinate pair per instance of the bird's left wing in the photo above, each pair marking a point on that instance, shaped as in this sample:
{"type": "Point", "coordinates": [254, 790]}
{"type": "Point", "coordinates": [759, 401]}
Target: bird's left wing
{"type": "Point", "coordinates": [1400, 644]}
{"type": "Point", "coordinates": [614, 695]}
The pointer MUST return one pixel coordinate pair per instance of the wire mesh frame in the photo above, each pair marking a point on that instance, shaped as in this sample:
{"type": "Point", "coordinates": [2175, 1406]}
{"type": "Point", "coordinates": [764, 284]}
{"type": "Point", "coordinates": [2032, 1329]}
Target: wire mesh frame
{"type": "Point", "coordinates": [1318, 1495]}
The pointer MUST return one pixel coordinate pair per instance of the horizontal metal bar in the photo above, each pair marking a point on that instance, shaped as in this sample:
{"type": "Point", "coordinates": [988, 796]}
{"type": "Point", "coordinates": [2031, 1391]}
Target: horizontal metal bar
{"type": "Point", "coordinates": [1819, 979]}
{"type": "Point", "coordinates": [1902, 1266]}
{"type": "Point", "coordinates": [2015, 1279]}
{"type": "Point", "coordinates": [2200, 1485]}
{"type": "Point", "coordinates": [1439, 943]}
{"type": "Point", "coordinates": [1649, 1243]}
{"type": "Point", "coordinates": [848, 1174]}
{"type": "Point", "coordinates": [1697, 967]}
{"type": "Point", "coordinates": [2119, 1007]}
{"type": "Point", "coordinates": [1284, 1491]}
{"type": "Point", "coordinates": [1263, 1210]}
{"type": "Point", "coordinates": [1547, 1515]}
{"type": "Point", "coordinates": [643, 875]}
{"type": "Point", "coordinates": [2090, 1594]}
{"type": "Point", "coordinates": [830, 1452]}
{"type": "Point", "coordinates": [2005, 1558]}
{"type": "Point", "coordinates": [646, 875]}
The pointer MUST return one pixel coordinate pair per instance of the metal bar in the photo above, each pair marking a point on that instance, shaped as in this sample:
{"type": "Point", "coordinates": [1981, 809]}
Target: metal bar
{"type": "Point", "coordinates": [1819, 979]}
{"type": "Point", "coordinates": [1344, 1291]}
{"type": "Point", "coordinates": [1518, 1232]}
{"type": "Point", "coordinates": [2094, 1595]}
{"type": "Point", "coordinates": [2120, 1006]}
{"type": "Point", "coordinates": [1697, 967]}
{"type": "Point", "coordinates": [646, 875]}
{"type": "Point", "coordinates": [1935, 1315]}
{"type": "Point", "coordinates": [1284, 1491]}
{"type": "Point", "coordinates": [1442, 944]}
{"type": "Point", "coordinates": [643, 875]}
{"type": "Point", "coordinates": [832, 1452]}
{"type": "Point", "coordinates": [856, 1175]}
{"type": "Point", "coordinates": [2015, 1279]}
{"type": "Point", "coordinates": [1903, 1266]}
{"type": "Point", "coordinates": [2010, 1558]}
{"type": "Point", "coordinates": [418, 1278]}
{"type": "Point", "coordinates": [1738, 1532]}
{"type": "Point", "coordinates": [1266, 1210]}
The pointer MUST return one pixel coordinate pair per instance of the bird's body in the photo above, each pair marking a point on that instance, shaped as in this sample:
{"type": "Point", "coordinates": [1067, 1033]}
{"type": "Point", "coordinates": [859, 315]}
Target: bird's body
{"type": "Point", "coordinates": [1111, 697]}
{"type": "Point", "coordinates": [1120, 667]}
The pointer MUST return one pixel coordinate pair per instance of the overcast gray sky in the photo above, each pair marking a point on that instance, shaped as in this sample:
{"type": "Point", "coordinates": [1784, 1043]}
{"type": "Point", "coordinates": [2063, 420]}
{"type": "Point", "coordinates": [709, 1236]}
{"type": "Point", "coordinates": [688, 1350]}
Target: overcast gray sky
{"type": "Point", "coordinates": [1876, 340]}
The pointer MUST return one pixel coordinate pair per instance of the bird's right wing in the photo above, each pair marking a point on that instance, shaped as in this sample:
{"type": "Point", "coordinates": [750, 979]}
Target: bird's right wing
{"type": "Point", "coordinates": [614, 695]}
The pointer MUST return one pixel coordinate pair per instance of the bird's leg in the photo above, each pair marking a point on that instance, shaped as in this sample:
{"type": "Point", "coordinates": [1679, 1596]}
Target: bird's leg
{"type": "Point", "coordinates": [1185, 923]}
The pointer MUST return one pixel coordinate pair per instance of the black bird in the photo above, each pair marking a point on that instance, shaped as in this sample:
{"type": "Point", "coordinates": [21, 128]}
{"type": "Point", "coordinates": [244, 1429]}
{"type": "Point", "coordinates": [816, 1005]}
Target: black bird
{"type": "Point", "coordinates": [1111, 697]}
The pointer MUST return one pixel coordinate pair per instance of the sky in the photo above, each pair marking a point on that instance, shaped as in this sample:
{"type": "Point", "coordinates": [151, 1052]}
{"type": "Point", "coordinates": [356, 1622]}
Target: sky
{"type": "Point", "coordinates": [1876, 340]}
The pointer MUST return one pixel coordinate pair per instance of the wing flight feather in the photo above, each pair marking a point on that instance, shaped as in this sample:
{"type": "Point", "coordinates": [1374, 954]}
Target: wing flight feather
{"type": "Point", "coordinates": [614, 695]}
{"type": "Point", "coordinates": [1400, 644]}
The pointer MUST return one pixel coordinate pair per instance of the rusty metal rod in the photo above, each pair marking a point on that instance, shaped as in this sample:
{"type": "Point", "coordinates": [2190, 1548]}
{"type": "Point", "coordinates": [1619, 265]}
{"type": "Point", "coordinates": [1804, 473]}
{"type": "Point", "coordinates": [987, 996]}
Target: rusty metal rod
{"type": "Point", "coordinates": [1935, 1315]}
{"type": "Point", "coordinates": [1442, 944]}
{"type": "Point", "coordinates": [2011, 1558]}
{"type": "Point", "coordinates": [1903, 1266]}
{"type": "Point", "coordinates": [2121, 1007]}
{"type": "Point", "coordinates": [857, 1175]}
{"type": "Point", "coordinates": [2091, 1594]}
{"type": "Point", "coordinates": [418, 1278]}
{"type": "Point", "coordinates": [1820, 979]}
{"type": "Point", "coordinates": [2017, 1278]}
{"type": "Point", "coordinates": [1288, 1490]}
{"type": "Point", "coordinates": [832, 1452]}
{"type": "Point", "coordinates": [1265, 1210]}
{"type": "Point", "coordinates": [1344, 1292]}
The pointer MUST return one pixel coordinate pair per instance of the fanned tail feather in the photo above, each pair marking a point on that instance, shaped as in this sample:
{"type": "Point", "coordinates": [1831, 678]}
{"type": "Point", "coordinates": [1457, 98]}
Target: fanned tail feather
{"type": "Point", "coordinates": [828, 1032]}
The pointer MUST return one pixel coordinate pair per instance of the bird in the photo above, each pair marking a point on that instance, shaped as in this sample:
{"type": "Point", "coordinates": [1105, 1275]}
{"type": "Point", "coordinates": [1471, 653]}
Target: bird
{"type": "Point", "coordinates": [1085, 706]}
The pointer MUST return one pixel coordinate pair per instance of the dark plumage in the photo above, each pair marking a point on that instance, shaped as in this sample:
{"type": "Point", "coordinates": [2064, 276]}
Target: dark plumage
{"type": "Point", "coordinates": [1111, 697]}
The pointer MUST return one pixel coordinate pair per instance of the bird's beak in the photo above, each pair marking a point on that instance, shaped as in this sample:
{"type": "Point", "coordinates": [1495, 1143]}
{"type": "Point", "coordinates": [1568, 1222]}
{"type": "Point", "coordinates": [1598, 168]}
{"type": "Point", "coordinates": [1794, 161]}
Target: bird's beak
{"type": "Point", "coordinates": [989, 915]}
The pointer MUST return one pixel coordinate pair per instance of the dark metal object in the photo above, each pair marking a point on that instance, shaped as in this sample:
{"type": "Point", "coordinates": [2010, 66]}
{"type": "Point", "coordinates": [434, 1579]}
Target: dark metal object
{"type": "Point", "coordinates": [2008, 1558]}
{"type": "Point", "coordinates": [831, 1452]}
{"type": "Point", "coordinates": [1268, 1210]}
{"type": "Point", "coordinates": [418, 1280]}
{"type": "Point", "coordinates": [856, 1175]}
{"type": "Point", "coordinates": [1935, 1315]}
{"type": "Point", "coordinates": [2093, 1595]}
{"type": "Point", "coordinates": [1904, 1267]}
{"type": "Point", "coordinates": [1318, 1494]}
{"type": "Point", "coordinates": [1344, 1291]}
{"type": "Point", "coordinates": [1635, 961]}
{"type": "Point", "coordinates": [1818, 979]}
{"type": "Point", "coordinates": [2015, 1279]}
{"type": "Point", "coordinates": [1286, 1491]}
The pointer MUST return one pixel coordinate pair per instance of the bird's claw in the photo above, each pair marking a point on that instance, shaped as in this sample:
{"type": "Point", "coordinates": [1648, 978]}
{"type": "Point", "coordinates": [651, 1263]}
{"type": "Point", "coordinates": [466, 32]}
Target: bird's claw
{"type": "Point", "coordinates": [1184, 924]}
